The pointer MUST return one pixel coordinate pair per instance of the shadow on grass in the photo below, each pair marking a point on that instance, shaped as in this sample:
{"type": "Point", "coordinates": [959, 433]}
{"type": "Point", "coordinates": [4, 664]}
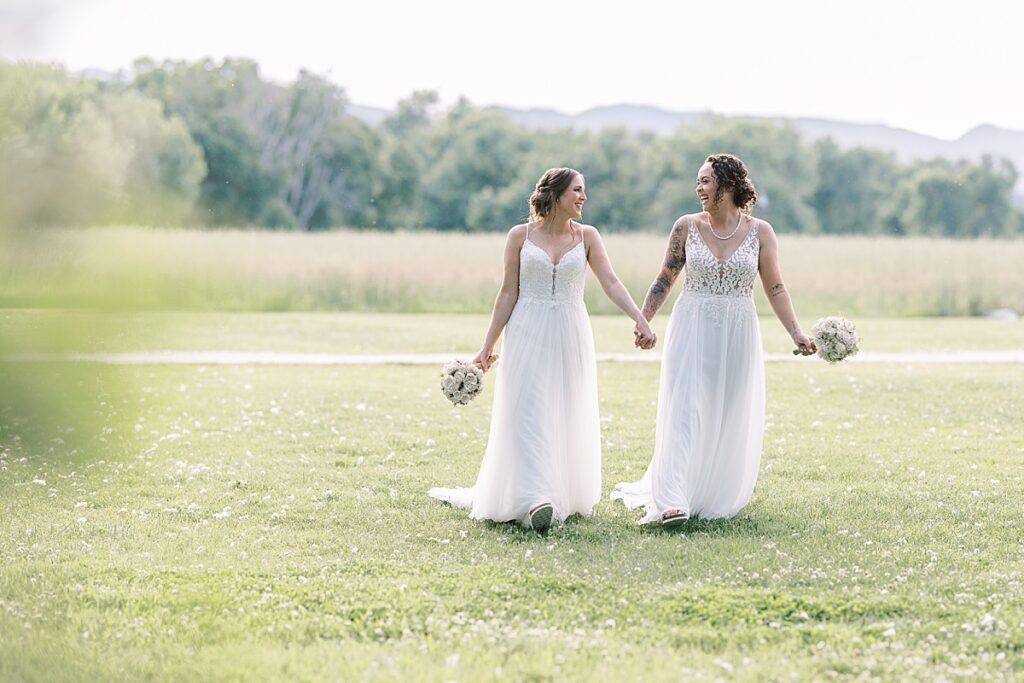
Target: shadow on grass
{"type": "Point", "coordinates": [731, 526]}
{"type": "Point", "coordinates": [610, 529]}
{"type": "Point", "coordinates": [611, 522]}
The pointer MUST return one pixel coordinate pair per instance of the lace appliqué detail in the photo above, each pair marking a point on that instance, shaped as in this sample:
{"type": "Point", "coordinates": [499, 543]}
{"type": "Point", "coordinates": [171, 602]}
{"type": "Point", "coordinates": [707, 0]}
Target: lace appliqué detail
{"type": "Point", "coordinates": [716, 309]}
{"type": "Point", "coordinates": [709, 275]}
{"type": "Point", "coordinates": [541, 280]}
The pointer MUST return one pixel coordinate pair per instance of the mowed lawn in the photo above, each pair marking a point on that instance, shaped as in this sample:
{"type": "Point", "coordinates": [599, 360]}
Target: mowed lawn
{"type": "Point", "coordinates": [64, 330]}
{"type": "Point", "coordinates": [272, 523]}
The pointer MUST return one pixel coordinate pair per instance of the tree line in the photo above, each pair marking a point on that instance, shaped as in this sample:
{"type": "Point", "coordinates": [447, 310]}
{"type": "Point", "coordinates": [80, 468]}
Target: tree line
{"type": "Point", "coordinates": [215, 144]}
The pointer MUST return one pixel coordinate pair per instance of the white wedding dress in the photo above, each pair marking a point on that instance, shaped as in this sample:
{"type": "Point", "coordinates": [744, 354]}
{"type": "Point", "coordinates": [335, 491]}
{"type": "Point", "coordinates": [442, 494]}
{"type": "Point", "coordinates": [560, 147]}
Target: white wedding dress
{"type": "Point", "coordinates": [545, 442]}
{"type": "Point", "coordinates": [710, 422]}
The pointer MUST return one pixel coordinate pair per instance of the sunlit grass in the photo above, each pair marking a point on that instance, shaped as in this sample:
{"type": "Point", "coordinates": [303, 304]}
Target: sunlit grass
{"type": "Point", "coordinates": [43, 330]}
{"type": "Point", "coordinates": [272, 523]}
{"type": "Point", "coordinates": [458, 273]}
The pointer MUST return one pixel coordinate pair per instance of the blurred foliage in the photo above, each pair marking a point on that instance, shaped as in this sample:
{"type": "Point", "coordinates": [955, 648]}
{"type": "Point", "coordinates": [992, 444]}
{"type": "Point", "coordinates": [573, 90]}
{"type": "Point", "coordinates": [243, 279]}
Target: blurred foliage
{"type": "Point", "coordinates": [76, 151]}
{"type": "Point", "coordinates": [59, 409]}
{"type": "Point", "coordinates": [73, 151]}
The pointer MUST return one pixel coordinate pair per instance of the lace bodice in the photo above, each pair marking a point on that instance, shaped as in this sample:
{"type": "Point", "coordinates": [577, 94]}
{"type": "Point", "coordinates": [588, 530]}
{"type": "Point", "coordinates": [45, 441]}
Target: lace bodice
{"type": "Point", "coordinates": [557, 283]}
{"type": "Point", "coordinates": [707, 274]}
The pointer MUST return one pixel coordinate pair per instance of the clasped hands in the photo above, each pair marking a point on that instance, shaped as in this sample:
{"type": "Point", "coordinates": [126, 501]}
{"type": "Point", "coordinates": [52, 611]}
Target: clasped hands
{"type": "Point", "coordinates": [643, 336]}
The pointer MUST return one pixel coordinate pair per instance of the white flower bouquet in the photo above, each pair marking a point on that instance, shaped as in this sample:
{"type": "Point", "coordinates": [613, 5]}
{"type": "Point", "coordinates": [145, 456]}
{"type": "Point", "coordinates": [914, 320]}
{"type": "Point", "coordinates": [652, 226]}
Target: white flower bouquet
{"type": "Point", "coordinates": [836, 338]}
{"type": "Point", "coordinates": [461, 382]}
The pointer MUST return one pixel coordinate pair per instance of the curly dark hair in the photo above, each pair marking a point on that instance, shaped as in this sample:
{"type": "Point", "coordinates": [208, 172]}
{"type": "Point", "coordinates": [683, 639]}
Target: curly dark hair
{"type": "Point", "coordinates": [731, 173]}
{"type": "Point", "coordinates": [548, 189]}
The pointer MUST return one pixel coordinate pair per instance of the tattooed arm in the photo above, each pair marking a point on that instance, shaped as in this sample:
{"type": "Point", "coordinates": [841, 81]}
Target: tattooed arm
{"type": "Point", "coordinates": [675, 259]}
{"type": "Point", "coordinates": [778, 296]}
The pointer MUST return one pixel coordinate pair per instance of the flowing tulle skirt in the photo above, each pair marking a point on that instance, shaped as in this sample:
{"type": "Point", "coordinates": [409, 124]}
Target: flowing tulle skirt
{"type": "Point", "coordinates": [544, 444]}
{"type": "Point", "coordinates": [710, 420]}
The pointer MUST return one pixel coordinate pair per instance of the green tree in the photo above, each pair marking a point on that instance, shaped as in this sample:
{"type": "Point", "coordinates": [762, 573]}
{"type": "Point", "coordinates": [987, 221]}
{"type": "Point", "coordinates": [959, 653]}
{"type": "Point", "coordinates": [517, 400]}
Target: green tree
{"type": "Point", "coordinates": [397, 193]}
{"type": "Point", "coordinates": [618, 188]}
{"type": "Point", "coordinates": [853, 189]}
{"type": "Point", "coordinates": [277, 155]}
{"type": "Point", "coordinates": [990, 185]}
{"type": "Point", "coordinates": [939, 204]}
{"type": "Point", "coordinates": [470, 152]}
{"type": "Point", "coordinates": [224, 106]}
{"type": "Point", "coordinates": [672, 174]}
{"type": "Point", "coordinates": [305, 139]}
{"type": "Point", "coordinates": [352, 149]}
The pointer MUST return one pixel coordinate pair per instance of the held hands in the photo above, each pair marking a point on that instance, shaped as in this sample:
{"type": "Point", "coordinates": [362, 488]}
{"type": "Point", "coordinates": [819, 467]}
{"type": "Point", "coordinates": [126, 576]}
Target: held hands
{"type": "Point", "coordinates": [805, 345]}
{"type": "Point", "coordinates": [643, 336]}
{"type": "Point", "coordinates": [485, 359]}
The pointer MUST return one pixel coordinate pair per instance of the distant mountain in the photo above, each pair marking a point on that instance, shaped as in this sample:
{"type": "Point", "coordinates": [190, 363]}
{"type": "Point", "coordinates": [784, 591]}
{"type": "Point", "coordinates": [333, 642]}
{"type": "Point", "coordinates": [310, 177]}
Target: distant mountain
{"type": "Point", "coordinates": [102, 75]}
{"type": "Point", "coordinates": [995, 141]}
{"type": "Point", "coordinates": [369, 115]}
{"type": "Point", "coordinates": [906, 145]}
{"type": "Point", "coordinates": [637, 118]}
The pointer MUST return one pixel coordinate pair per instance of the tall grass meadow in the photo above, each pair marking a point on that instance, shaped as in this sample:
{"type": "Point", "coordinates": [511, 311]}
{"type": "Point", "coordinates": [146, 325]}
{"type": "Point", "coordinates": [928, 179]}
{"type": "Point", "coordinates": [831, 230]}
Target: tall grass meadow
{"type": "Point", "coordinates": [420, 272]}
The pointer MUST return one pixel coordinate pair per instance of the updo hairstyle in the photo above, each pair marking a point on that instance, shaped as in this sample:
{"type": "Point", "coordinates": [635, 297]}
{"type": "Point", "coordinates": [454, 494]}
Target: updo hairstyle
{"type": "Point", "coordinates": [549, 188]}
{"type": "Point", "coordinates": [731, 173]}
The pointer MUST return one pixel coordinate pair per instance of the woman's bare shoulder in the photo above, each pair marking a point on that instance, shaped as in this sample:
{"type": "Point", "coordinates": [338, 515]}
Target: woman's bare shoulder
{"type": "Point", "coordinates": [687, 218]}
{"type": "Point", "coordinates": [682, 224]}
{"type": "Point", "coordinates": [517, 233]}
{"type": "Point", "coordinates": [764, 229]}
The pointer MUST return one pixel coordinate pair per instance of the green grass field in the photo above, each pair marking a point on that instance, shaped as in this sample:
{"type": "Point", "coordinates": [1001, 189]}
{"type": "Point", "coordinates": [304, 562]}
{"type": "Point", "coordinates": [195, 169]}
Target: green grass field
{"type": "Point", "coordinates": [371, 333]}
{"type": "Point", "coordinates": [272, 523]}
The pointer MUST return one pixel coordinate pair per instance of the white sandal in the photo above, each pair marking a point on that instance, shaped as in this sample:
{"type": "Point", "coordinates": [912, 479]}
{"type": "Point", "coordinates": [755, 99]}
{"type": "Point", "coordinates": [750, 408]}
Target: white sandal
{"type": "Point", "coordinates": [674, 517]}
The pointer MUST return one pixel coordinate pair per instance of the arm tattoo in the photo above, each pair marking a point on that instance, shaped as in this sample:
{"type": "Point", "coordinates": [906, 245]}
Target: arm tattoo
{"type": "Point", "coordinates": [775, 290]}
{"type": "Point", "coordinates": [675, 259]}
{"type": "Point", "coordinates": [656, 296]}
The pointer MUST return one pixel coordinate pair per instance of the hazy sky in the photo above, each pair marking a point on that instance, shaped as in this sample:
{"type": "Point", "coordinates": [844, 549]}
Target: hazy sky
{"type": "Point", "coordinates": [934, 66]}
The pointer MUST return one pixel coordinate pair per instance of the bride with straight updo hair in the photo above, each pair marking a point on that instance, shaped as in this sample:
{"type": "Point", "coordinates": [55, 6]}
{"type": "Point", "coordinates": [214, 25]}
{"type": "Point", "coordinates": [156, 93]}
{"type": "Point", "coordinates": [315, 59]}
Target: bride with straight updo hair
{"type": "Point", "coordinates": [543, 457]}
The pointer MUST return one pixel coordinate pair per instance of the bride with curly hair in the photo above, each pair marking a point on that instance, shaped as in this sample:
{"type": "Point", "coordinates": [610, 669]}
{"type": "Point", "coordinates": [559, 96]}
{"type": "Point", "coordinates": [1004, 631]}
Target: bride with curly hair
{"type": "Point", "coordinates": [710, 421]}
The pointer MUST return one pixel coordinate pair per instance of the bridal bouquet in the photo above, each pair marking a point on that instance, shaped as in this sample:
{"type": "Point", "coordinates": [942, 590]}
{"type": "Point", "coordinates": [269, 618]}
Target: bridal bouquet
{"type": "Point", "coordinates": [835, 337]}
{"type": "Point", "coordinates": [461, 382]}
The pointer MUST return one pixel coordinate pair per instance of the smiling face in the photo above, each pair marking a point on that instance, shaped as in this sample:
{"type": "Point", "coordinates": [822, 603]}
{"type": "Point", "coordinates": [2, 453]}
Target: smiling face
{"type": "Point", "coordinates": [707, 186]}
{"type": "Point", "coordinates": [570, 202]}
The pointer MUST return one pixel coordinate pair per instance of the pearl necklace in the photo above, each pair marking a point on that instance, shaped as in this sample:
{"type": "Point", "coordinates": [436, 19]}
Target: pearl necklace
{"type": "Point", "coordinates": [734, 231]}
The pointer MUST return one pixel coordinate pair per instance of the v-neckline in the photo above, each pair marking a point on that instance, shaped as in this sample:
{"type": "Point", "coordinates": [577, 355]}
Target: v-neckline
{"type": "Point", "coordinates": [711, 251]}
{"type": "Point", "coordinates": [553, 262]}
